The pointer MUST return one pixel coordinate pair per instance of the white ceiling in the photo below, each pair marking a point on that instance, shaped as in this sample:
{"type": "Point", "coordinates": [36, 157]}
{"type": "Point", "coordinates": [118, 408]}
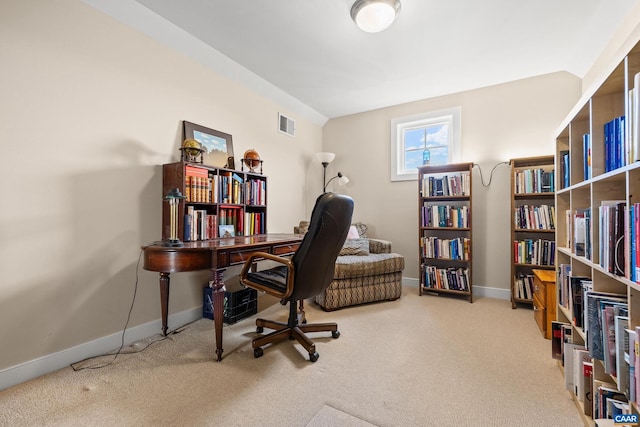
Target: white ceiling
{"type": "Point", "coordinates": [311, 51]}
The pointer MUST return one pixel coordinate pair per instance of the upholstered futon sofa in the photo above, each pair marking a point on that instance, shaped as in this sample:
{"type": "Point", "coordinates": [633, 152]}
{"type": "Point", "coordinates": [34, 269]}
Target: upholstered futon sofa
{"type": "Point", "coordinates": [366, 271]}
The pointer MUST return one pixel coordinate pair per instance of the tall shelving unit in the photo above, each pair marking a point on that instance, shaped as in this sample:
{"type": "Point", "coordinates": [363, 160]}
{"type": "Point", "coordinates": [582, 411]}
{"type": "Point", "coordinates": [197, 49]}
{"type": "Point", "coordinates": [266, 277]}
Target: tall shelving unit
{"type": "Point", "coordinates": [444, 200]}
{"type": "Point", "coordinates": [532, 223]}
{"type": "Point", "coordinates": [594, 171]}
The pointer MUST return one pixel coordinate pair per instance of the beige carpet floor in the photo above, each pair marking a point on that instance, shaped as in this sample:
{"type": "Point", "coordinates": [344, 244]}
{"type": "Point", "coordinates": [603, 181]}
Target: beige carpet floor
{"type": "Point", "coordinates": [417, 361]}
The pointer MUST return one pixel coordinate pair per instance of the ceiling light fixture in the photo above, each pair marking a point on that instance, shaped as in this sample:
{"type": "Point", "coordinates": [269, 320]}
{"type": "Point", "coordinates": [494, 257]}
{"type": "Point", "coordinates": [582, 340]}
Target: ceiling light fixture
{"type": "Point", "coordinates": [373, 16]}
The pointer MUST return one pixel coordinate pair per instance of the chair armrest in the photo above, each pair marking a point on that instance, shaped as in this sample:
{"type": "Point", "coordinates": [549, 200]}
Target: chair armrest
{"type": "Point", "coordinates": [379, 246]}
{"type": "Point", "coordinates": [257, 256]}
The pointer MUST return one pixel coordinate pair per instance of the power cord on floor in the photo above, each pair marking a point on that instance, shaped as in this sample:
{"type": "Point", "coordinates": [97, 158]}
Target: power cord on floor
{"type": "Point", "coordinates": [76, 365]}
{"type": "Point", "coordinates": [491, 174]}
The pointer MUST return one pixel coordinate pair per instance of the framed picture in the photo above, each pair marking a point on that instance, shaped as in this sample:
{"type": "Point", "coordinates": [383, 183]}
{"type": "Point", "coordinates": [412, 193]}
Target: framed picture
{"type": "Point", "coordinates": [217, 146]}
{"type": "Point", "coordinates": [226, 231]}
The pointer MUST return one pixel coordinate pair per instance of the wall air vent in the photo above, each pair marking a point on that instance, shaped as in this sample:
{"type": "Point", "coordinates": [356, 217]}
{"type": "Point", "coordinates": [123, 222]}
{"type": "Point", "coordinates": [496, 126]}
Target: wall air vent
{"type": "Point", "coordinates": [286, 125]}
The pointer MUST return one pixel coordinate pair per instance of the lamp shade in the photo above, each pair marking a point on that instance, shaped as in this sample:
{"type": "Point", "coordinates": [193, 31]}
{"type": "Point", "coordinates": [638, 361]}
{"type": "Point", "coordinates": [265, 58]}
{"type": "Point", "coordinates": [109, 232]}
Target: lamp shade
{"type": "Point", "coordinates": [374, 16]}
{"type": "Point", "coordinates": [325, 157]}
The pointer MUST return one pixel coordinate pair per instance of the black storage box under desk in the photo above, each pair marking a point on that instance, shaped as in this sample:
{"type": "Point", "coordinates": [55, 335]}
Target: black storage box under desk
{"type": "Point", "coordinates": [239, 302]}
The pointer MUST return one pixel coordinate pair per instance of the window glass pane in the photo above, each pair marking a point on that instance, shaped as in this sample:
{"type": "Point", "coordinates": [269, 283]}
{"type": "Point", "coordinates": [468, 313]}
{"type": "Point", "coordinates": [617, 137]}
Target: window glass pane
{"type": "Point", "coordinates": [412, 159]}
{"type": "Point", "coordinates": [439, 156]}
{"type": "Point", "coordinates": [413, 138]}
{"type": "Point", "coordinates": [434, 137]}
{"type": "Point", "coordinates": [438, 135]}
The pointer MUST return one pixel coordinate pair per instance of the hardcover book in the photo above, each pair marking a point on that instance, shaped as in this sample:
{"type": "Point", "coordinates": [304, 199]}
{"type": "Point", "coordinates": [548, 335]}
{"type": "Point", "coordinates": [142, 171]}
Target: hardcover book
{"type": "Point", "coordinates": [556, 339]}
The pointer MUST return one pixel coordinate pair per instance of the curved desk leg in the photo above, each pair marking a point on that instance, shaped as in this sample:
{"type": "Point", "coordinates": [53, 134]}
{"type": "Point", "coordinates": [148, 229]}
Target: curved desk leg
{"type": "Point", "coordinates": [218, 308]}
{"type": "Point", "coordinates": [164, 300]}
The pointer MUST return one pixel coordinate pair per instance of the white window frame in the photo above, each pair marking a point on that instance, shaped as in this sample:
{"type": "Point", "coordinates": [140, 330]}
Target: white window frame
{"type": "Point", "coordinates": [398, 125]}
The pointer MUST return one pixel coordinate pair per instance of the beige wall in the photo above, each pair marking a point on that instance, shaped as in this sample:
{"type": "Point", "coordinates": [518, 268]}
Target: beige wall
{"type": "Point", "coordinates": [501, 122]}
{"type": "Point", "coordinates": [90, 110]}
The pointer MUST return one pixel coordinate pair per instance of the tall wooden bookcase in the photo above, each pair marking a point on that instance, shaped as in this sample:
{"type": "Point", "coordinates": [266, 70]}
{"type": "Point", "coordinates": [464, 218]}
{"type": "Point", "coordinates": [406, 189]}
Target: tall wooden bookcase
{"type": "Point", "coordinates": [444, 200]}
{"type": "Point", "coordinates": [214, 197]}
{"type": "Point", "coordinates": [596, 160]}
{"type": "Point", "coordinates": [532, 223]}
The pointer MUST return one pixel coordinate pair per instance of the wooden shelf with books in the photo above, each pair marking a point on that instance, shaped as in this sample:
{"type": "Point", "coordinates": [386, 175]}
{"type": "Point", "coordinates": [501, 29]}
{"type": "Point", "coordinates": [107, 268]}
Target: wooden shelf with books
{"type": "Point", "coordinates": [597, 332]}
{"type": "Point", "coordinates": [532, 225]}
{"type": "Point", "coordinates": [218, 202]}
{"type": "Point", "coordinates": [444, 199]}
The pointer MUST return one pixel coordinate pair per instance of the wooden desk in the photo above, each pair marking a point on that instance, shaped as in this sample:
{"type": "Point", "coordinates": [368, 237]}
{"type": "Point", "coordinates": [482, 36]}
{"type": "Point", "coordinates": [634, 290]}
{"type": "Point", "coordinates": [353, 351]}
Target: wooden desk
{"type": "Point", "coordinates": [214, 255]}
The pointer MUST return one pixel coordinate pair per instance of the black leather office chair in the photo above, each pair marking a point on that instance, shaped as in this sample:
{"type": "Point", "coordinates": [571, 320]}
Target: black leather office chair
{"type": "Point", "coordinates": [307, 273]}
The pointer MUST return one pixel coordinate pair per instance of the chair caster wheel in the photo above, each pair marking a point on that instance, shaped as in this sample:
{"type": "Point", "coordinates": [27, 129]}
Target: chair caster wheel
{"type": "Point", "coordinates": [313, 356]}
{"type": "Point", "coordinates": [259, 329]}
{"type": "Point", "coordinates": [335, 334]}
{"type": "Point", "coordinates": [257, 352]}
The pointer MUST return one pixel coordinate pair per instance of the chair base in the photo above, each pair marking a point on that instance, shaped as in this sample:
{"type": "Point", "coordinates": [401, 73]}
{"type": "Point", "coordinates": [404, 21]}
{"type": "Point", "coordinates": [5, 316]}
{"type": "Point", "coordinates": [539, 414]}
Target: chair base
{"type": "Point", "coordinates": [291, 330]}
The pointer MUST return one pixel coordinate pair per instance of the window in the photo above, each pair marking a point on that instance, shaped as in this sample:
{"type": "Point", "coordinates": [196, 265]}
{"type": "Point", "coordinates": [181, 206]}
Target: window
{"type": "Point", "coordinates": [429, 138]}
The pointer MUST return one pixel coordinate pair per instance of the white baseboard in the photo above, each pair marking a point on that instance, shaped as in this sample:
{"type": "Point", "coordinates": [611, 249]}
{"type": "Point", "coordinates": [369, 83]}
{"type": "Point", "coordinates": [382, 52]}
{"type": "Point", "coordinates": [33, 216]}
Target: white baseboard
{"type": "Point", "coordinates": [52, 362]}
{"type": "Point", "coordinates": [478, 291]}
{"type": "Point", "coordinates": [486, 291]}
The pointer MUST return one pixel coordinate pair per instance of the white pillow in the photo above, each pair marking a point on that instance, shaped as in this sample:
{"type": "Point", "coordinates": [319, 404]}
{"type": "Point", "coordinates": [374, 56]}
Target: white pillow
{"type": "Point", "coordinates": [353, 233]}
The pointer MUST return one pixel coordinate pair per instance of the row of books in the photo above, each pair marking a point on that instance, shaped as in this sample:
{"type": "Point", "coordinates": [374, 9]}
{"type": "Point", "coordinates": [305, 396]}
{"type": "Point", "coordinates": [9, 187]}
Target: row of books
{"type": "Point", "coordinates": [611, 255]}
{"type": "Point", "coordinates": [198, 185]}
{"type": "Point", "coordinates": [201, 225]}
{"type": "Point", "coordinates": [618, 237]}
{"type": "Point", "coordinates": [202, 187]}
{"type": "Point", "coordinates": [254, 223]}
{"type": "Point", "coordinates": [244, 223]}
{"type": "Point", "coordinates": [615, 144]}
{"type": "Point", "coordinates": [570, 292]}
{"type": "Point", "coordinates": [228, 188]}
{"type": "Point", "coordinates": [532, 217]}
{"type": "Point", "coordinates": [435, 247]}
{"type": "Point", "coordinates": [445, 216]}
{"type": "Point", "coordinates": [255, 192]}
{"type": "Point", "coordinates": [534, 251]}
{"type": "Point", "coordinates": [524, 286]}
{"type": "Point", "coordinates": [446, 278]}
{"type": "Point", "coordinates": [454, 185]}
{"type": "Point", "coordinates": [535, 180]}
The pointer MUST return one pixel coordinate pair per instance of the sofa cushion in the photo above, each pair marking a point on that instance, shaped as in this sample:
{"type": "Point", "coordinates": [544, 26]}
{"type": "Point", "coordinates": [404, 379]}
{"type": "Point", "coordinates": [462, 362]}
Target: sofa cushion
{"type": "Point", "coordinates": [349, 266]}
{"type": "Point", "coordinates": [355, 247]}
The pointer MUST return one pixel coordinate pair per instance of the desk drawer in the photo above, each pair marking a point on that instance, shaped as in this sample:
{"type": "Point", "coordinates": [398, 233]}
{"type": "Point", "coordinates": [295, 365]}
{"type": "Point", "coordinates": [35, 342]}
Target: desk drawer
{"type": "Point", "coordinates": [286, 249]}
{"type": "Point", "coordinates": [539, 291]}
{"type": "Point", "coordinates": [239, 256]}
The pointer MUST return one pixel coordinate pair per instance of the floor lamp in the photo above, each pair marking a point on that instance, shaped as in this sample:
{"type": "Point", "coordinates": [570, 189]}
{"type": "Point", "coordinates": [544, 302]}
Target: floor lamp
{"type": "Point", "coordinates": [325, 158]}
